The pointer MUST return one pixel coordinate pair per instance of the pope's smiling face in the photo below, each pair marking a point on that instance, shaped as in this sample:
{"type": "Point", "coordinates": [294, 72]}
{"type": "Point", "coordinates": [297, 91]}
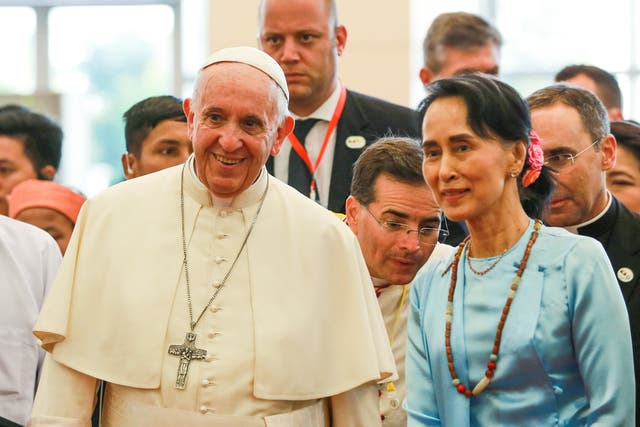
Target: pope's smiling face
{"type": "Point", "coordinates": [233, 123]}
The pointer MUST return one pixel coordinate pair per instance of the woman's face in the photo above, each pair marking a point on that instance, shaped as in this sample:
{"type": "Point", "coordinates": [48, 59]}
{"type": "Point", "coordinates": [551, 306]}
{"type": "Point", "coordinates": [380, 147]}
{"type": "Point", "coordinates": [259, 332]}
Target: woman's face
{"type": "Point", "coordinates": [467, 173]}
{"type": "Point", "coordinates": [623, 180]}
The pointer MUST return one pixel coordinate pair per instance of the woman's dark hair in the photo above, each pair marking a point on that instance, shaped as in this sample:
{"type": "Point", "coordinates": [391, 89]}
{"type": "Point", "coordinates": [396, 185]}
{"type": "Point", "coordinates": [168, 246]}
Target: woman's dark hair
{"type": "Point", "coordinates": [627, 134]}
{"type": "Point", "coordinates": [495, 110]}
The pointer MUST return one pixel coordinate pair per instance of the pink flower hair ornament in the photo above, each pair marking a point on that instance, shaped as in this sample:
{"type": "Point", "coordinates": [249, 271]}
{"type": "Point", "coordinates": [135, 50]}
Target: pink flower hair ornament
{"type": "Point", "coordinates": [535, 159]}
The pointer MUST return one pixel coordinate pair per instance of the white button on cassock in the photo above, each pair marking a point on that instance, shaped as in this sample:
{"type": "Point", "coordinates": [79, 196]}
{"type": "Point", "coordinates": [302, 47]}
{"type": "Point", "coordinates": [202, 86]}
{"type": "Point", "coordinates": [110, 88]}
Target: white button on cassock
{"type": "Point", "coordinates": [212, 334]}
{"type": "Point", "coordinates": [203, 409]}
{"type": "Point", "coordinates": [220, 259]}
{"type": "Point", "coordinates": [221, 235]}
{"type": "Point", "coordinates": [214, 308]}
{"type": "Point", "coordinates": [205, 382]}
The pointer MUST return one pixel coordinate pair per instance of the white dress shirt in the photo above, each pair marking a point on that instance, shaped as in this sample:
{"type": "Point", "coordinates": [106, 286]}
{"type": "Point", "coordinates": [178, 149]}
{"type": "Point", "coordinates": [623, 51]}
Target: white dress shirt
{"type": "Point", "coordinates": [29, 259]}
{"type": "Point", "coordinates": [313, 144]}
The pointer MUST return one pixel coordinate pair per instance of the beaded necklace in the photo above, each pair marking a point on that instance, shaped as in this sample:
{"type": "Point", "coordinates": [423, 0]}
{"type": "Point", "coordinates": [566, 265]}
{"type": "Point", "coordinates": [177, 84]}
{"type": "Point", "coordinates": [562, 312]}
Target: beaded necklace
{"type": "Point", "coordinates": [493, 358]}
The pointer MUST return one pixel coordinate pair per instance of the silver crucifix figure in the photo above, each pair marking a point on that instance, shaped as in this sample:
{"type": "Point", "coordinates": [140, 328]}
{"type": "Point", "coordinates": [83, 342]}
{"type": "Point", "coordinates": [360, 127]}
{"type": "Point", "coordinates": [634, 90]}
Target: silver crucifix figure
{"type": "Point", "coordinates": [187, 352]}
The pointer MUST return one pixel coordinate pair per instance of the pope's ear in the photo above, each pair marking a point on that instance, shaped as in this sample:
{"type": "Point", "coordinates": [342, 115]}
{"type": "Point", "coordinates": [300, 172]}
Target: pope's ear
{"type": "Point", "coordinates": [281, 134]}
{"type": "Point", "coordinates": [187, 106]}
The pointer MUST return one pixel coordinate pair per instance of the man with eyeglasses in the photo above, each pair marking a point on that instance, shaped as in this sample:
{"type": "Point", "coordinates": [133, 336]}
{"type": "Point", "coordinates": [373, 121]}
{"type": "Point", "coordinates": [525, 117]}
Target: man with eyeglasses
{"type": "Point", "coordinates": [576, 139]}
{"type": "Point", "coordinates": [397, 221]}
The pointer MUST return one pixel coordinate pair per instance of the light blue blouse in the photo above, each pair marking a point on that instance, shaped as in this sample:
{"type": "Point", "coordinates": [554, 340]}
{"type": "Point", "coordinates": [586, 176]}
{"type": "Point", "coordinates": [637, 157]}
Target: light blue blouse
{"type": "Point", "coordinates": [565, 357]}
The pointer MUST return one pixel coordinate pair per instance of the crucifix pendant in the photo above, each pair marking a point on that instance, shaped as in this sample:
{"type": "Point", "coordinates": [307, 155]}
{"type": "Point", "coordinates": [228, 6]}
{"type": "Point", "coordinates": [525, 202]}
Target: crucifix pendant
{"type": "Point", "coordinates": [187, 352]}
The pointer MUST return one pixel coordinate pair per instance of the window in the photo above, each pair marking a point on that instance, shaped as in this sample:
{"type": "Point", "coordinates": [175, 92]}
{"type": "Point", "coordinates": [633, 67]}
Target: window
{"type": "Point", "coordinates": [18, 73]}
{"type": "Point", "coordinates": [88, 62]}
{"type": "Point", "coordinates": [541, 38]}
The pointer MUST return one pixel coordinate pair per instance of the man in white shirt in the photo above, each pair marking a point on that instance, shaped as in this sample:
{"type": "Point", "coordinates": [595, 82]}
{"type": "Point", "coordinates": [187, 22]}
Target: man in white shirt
{"type": "Point", "coordinates": [333, 125]}
{"type": "Point", "coordinates": [210, 293]}
{"type": "Point", "coordinates": [393, 213]}
{"type": "Point", "coordinates": [29, 260]}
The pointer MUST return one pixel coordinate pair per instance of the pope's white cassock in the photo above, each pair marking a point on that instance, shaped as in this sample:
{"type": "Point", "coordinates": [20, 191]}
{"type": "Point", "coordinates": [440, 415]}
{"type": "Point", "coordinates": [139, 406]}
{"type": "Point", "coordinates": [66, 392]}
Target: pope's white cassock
{"type": "Point", "coordinates": [295, 337]}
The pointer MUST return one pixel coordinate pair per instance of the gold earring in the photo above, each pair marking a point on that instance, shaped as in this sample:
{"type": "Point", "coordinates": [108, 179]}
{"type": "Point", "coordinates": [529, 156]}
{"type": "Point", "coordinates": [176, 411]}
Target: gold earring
{"type": "Point", "coordinates": [514, 174]}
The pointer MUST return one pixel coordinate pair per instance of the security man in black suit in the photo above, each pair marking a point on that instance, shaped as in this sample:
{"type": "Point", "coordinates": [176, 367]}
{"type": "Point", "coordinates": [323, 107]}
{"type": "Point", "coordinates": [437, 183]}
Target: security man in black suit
{"type": "Point", "coordinates": [575, 134]}
{"type": "Point", "coordinates": [333, 124]}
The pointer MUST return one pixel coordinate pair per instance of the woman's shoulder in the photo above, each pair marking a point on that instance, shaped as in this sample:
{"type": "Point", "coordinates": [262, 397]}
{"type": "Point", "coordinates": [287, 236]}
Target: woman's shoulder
{"type": "Point", "coordinates": [557, 246]}
{"type": "Point", "coordinates": [559, 240]}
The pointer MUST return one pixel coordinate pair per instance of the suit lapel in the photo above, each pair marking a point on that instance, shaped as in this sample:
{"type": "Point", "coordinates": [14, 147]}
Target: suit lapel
{"type": "Point", "coordinates": [270, 166]}
{"type": "Point", "coordinates": [624, 251]}
{"type": "Point", "coordinates": [353, 121]}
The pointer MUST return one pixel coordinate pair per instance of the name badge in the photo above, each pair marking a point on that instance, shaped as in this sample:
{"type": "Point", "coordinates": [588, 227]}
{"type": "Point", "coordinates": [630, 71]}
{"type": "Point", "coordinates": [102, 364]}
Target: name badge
{"type": "Point", "coordinates": [355, 142]}
{"type": "Point", "coordinates": [625, 274]}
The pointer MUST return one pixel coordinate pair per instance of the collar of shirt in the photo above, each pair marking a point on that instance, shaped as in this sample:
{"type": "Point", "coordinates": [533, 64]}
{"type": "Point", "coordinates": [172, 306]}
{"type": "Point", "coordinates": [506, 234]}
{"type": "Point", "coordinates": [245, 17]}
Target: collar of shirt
{"type": "Point", "coordinates": [379, 282]}
{"type": "Point", "coordinates": [574, 228]}
{"type": "Point", "coordinates": [196, 189]}
{"type": "Point", "coordinates": [325, 111]}
{"type": "Point", "coordinates": [313, 144]}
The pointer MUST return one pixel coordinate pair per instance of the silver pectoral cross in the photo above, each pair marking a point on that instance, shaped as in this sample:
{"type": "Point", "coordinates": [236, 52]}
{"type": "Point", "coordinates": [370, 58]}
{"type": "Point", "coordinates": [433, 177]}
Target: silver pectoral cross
{"type": "Point", "coordinates": [187, 352]}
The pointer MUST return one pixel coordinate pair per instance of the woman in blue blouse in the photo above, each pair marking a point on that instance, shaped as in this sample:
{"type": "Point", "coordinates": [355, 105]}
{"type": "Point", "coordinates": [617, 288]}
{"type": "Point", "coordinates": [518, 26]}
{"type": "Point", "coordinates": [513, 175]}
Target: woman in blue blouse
{"type": "Point", "coordinates": [525, 325]}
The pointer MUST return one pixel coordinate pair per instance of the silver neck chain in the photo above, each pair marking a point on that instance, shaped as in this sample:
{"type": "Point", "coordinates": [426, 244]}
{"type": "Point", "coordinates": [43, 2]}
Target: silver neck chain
{"type": "Point", "coordinates": [185, 262]}
{"type": "Point", "coordinates": [486, 270]}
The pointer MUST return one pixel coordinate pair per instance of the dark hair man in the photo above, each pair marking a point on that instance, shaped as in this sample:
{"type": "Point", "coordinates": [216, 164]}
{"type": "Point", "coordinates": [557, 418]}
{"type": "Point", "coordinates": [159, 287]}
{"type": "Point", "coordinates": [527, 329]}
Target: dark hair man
{"type": "Point", "coordinates": [156, 136]}
{"type": "Point", "coordinates": [393, 213]}
{"type": "Point", "coordinates": [30, 147]}
{"type": "Point", "coordinates": [333, 124]}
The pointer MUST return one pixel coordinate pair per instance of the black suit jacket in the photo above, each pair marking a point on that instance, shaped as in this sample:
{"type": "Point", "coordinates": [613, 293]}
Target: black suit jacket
{"type": "Point", "coordinates": [618, 230]}
{"type": "Point", "coordinates": [370, 118]}
{"type": "Point", "coordinates": [8, 423]}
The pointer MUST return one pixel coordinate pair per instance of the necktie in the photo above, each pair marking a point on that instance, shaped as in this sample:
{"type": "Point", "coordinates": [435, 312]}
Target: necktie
{"type": "Point", "coordinates": [299, 174]}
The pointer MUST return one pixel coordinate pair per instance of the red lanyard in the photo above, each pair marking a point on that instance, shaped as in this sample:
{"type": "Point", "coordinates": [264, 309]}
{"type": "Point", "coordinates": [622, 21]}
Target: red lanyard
{"type": "Point", "coordinates": [302, 152]}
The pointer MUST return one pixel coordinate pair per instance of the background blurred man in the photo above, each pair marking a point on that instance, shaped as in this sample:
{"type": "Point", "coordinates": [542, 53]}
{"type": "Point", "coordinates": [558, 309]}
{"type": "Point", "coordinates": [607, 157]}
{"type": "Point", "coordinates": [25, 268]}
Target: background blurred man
{"type": "Point", "coordinates": [156, 136]}
{"type": "Point", "coordinates": [458, 43]}
{"type": "Point", "coordinates": [602, 83]}
{"type": "Point", "coordinates": [30, 148]}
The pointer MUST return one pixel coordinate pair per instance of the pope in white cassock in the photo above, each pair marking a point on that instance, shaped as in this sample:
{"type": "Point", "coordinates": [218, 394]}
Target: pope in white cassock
{"type": "Point", "coordinates": [211, 294]}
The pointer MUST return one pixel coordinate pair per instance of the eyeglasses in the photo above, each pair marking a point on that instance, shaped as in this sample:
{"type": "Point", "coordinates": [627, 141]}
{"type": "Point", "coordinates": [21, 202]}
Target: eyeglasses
{"type": "Point", "coordinates": [563, 160]}
{"type": "Point", "coordinates": [426, 235]}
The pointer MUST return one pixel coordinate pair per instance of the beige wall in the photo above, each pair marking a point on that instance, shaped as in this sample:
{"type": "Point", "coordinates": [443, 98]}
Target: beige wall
{"type": "Point", "coordinates": [375, 60]}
